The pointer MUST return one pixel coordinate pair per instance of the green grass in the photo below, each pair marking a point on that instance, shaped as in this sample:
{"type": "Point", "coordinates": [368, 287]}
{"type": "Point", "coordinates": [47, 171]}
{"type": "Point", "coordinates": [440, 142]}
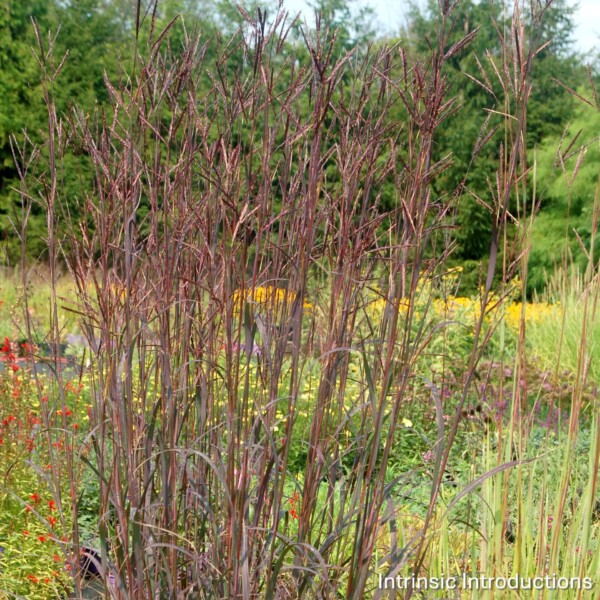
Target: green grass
{"type": "Point", "coordinates": [557, 338]}
{"type": "Point", "coordinates": [12, 320]}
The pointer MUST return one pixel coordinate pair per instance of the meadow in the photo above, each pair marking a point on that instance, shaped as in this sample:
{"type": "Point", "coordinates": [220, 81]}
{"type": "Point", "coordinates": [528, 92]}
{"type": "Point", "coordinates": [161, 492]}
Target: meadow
{"type": "Point", "coordinates": [237, 373]}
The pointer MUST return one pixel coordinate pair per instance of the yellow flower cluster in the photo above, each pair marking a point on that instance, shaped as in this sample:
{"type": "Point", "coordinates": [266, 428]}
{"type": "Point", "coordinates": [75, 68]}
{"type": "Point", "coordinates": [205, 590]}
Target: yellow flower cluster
{"type": "Point", "coordinates": [534, 313]}
{"type": "Point", "coordinates": [263, 295]}
{"type": "Point", "coordinates": [268, 295]}
{"type": "Point", "coordinates": [457, 307]}
{"type": "Point", "coordinates": [462, 308]}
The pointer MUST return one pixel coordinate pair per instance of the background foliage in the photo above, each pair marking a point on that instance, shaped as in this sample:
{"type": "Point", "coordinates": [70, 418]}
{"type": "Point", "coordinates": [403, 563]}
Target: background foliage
{"type": "Point", "coordinates": [96, 34]}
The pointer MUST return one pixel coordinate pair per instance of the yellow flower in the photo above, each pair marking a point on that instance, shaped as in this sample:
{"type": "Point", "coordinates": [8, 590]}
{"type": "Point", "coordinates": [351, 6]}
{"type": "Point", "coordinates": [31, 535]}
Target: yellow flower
{"type": "Point", "coordinates": [267, 295]}
{"type": "Point", "coordinates": [407, 423]}
{"type": "Point", "coordinates": [534, 312]}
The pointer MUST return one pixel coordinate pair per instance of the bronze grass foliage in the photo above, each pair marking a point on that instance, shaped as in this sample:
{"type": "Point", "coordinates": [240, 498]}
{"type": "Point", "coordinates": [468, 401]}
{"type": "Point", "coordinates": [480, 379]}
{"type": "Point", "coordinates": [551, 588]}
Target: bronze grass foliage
{"type": "Point", "coordinates": [215, 177]}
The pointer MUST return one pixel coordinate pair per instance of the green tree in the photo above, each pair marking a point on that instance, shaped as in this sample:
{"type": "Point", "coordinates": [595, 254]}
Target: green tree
{"type": "Point", "coordinates": [353, 24]}
{"type": "Point", "coordinates": [89, 33]}
{"type": "Point", "coordinates": [567, 177]}
{"type": "Point", "coordinates": [21, 104]}
{"type": "Point", "coordinates": [479, 93]}
{"type": "Point", "coordinates": [550, 105]}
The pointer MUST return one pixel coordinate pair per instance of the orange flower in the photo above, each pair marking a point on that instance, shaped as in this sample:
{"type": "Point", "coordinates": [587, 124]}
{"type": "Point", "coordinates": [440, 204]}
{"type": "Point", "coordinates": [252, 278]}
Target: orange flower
{"type": "Point", "coordinates": [293, 502]}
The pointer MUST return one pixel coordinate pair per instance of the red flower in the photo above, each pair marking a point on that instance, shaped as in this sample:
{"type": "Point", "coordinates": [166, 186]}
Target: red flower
{"type": "Point", "coordinates": [51, 505]}
{"type": "Point", "coordinates": [42, 538]}
{"type": "Point", "coordinates": [25, 532]}
{"type": "Point", "coordinates": [33, 578]}
{"type": "Point", "coordinates": [27, 348]}
{"type": "Point", "coordinates": [6, 346]}
{"type": "Point", "coordinates": [293, 502]}
{"type": "Point", "coordinates": [53, 521]}
{"type": "Point", "coordinates": [14, 367]}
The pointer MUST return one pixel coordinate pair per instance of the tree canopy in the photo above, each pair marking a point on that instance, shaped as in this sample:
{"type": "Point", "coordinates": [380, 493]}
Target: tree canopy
{"type": "Point", "coordinates": [98, 38]}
